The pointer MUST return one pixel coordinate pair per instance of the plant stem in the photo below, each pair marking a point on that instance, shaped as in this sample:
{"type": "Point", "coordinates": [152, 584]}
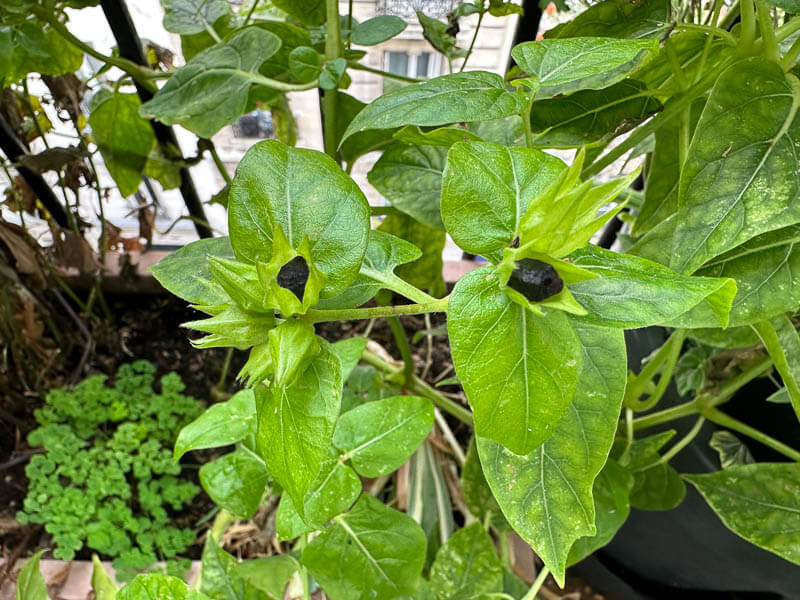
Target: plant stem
{"type": "Point", "coordinates": [765, 26]}
{"type": "Point", "coordinates": [354, 314]}
{"type": "Point", "coordinates": [386, 74]}
{"type": "Point", "coordinates": [221, 522]}
{"type": "Point", "coordinates": [790, 58]}
{"type": "Point", "coordinates": [784, 31]}
{"type": "Point", "coordinates": [472, 43]}
{"type": "Point", "coordinates": [401, 286]}
{"type": "Point", "coordinates": [218, 162]}
{"type": "Point", "coordinates": [417, 386]}
{"type": "Point", "coordinates": [401, 340]}
{"type": "Point", "coordinates": [727, 391]}
{"type": "Point", "coordinates": [769, 337]}
{"type": "Point", "coordinates": [250, 13]}
{"type": "Point", "coordinates": [668, 356]}
{"type": "Point", "coordinates": [330, 98]}
{"type": "Point", "coordinates": [683, 442]}
{"type": "Point", "coordinates": [214, 35]}
{"type": "Point", "coordinates": [711, 31]}
{"type": "Point", "coordinates": [747, 33]}
{"type": "Point", "coordinates": [537, 584]}
{"type": "Point", "coordinates": [720, 418]}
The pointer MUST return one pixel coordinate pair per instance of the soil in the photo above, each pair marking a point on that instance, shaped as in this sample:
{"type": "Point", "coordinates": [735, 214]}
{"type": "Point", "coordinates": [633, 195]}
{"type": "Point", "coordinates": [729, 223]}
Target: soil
{"type": "Point", "coordinates": [148, 327]}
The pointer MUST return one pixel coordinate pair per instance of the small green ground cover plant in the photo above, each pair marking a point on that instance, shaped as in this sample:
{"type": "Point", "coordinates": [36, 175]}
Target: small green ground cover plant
{"type": "Point", "coordinates": [561, 450]}
{"type": "Point", "coordinates": [106, 479]}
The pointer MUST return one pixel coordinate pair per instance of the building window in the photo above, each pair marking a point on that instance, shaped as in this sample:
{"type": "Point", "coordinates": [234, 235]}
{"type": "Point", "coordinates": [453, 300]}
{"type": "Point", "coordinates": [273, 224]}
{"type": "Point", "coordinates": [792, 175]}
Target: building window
{"type": "Point", "coordinates": [257, 124]}
{"type": "Point", "coordinates": [411, 65]}
{"type": "Point", "coordinates": [408, 8]}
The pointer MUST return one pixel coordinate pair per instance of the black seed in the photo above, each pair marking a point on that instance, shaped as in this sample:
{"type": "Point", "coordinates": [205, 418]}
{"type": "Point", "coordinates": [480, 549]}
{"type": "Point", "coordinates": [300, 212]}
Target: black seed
{"type": "Point", "coordinates": [293, 276]}
{"type": "Point", "coordinates": [536, 280]}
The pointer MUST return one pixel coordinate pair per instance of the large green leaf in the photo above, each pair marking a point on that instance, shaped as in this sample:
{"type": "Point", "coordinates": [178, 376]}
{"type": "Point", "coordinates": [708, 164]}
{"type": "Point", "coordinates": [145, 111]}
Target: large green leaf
{"type": "Point", "coordinates": [384, 253]}
{"type": "Point", "coordinates": [360, 143]}
{"type": "Point", "coordinates": [378, 437]}
{"type": "Point", "coordinates": [611, 507]}
{"type": "Point", "coordinates": [656, 485]}
{"type": "Point", "coordinates": [310, 12]}
{"type": "Point", "coordinates": [764, 269]}
{"type": "Point", "coordinates": [547, 495]}
{"type": "Point", "coordinates": [210, 91]}
{"type": "Point", "coordinates": [30, 583]}
{"type": "Point", "coordinates": [454, 98]}
{"type": "Point", "coordinates": [35, 47]}
{"type": "Point", "coordinates": [376, 30]}
{"type": "Point", "coordinates": [193, 16]}
{"type": "Point", "coordinates": [123, 137]}
{"type": "Point", "coordinates": [759, 502]}
{"type": "Point", "coordinates": [163, 587]}
{"type": "Point", "coordinates": [476, 491]}
{"type": "Point", "coordinates": [467, 566]}
{"type": "Point", "coordinates": [634, 292]}
{"type": "Point", "coordinates": [591, 116]}
{"type": "Point", "coordinates": [306, 194]}
{"type": "Point", "coordinates": [567, 65]}
{"type": "Point", "coordinates": [269, 574]}
{"type": "Point", "coordinates": [235, 481]}
{"type": "Point", "coordinates": [618, 19]}
{"type": "Point", "coordinates": [220, 578]}
{"type": "Point", "coordinates": [373, 551]}
{"type": "Point", "coordinates": [410, 177]}
{"type": "Point", "coordinates": [295, 424]}
{"type": "Point", "coordinates": [740, 175]}
{"type": "Point", "coordinates": [222, 424]}
{"type": "Point", "coordinates": [486, 189]}
{"type": "Point", "coordinates": [519, 371]}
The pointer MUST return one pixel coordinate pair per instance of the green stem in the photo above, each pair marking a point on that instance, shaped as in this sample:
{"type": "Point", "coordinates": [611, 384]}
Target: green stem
{"type": "Point", "coordinates": [250, 13]}
{"type": "Point", "coordinates": [354, 314]}
{"type": "Point", "coordinates": [769, 337]}
{"type": "Point", "coordinates": [787, 29]}
{"type": "Point", "coordinates": [386, 74]}
{"type": "Point", "coordinates": [218, 162]}
{"type": "Point", "coordinates": [720, 418]}
{"type": "Point", "coordinates": [790, 58]}
{"type": "Point", "coordinates": [747, 33]}
{"type": "Point", "coordinates": [214, 35]}
{"type": "Point", "coordinates": [225, 366]}
{"type": "Point", "coordinates": [401, 339]}
{"type": "Point", "coordinates": [727, 391]}
{"type": "Point", "coordinates": [417, 386]}
{"type": "Point", "coordinates": [397, 284]}
{"type": "Point", "coordinates": [667, 356]}
{"type": "Point", "coordinates": [330, 98]}
{"type": "Point", "coordinates": [680, 445]}
{"type": "Point", "coordinates": [281, 85]}
{"type": "Point", "coordinates": [765, 26]}
{"type": "Point", "coordinates": [222, 521]}
{"type": "Point", "coordinates": [711, 31]}
{"type": "Point", "coordinates": [537, 584]}
{"type": "Point", "coordinates": [526, 121]}
{"type": "Point", "coordinates": [730, 16]}
{"type": "Point", "coordinates": [472, 43]}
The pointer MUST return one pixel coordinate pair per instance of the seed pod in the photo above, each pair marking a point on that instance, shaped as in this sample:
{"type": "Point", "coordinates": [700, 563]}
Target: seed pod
{"type": "Point", "coordinates": [293, 276]}
{"type": "Point", "coordinates": [536, 280]}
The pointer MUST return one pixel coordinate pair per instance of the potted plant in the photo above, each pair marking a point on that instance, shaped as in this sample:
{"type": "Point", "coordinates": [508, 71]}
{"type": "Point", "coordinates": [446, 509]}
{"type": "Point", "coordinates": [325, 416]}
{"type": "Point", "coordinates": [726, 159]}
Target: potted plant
{"type": "Point", "coordinates": [561, 445]}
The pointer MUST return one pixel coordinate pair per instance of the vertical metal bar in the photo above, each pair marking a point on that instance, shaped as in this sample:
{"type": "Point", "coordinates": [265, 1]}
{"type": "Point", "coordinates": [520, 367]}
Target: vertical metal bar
{"type": "Point", "coordinates": [130, 47]}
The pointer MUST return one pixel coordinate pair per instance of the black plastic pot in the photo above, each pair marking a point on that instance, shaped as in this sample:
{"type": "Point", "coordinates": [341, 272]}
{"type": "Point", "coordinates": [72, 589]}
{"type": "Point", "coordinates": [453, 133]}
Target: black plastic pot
{"type": "Point", "coordinates": [687, 552]}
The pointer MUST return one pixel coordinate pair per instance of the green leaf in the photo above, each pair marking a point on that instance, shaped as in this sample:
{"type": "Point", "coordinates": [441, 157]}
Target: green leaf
{"type": "Point", "coordinates": [438, 35]}
{"type": "Point", "coordinates": [442, 136]}
{"type": "Point", "coordinates": [519, 370]}
{"type": "Point", "coordinates": [30, 583]}
{"type": "Point", "coordinates": [499, 8]}
{"type": "Point", "coordinates": [378, 437]}
{"type": "Point", "coordinates": [425, 272]}
{"type": "Point", "coordinates": [591, 116]}
{"type": "Point", "coordinates": [467, 567]}
{"type": "Point", "coordinates": [210, 91]}
{"type": "Point", "coordinates": [220, 579]}
{"type": "Point", "coordinates": [506, 132]}
{"type": "Point", "coordinates": [103, 586]}
{"type": "Point", "coordinates": [193, 16]}
{"type": "Point", "coordinates": [487, 188]}
{"type": "Point", "coordinates": [764, 270]}
{"type": "Point", "coordinates": [454, 98]}
{"type": "Point", "coordinates": [376, 30]}
{"type": "Point", "coordinates": [611, 506]}
{"type": "Point", "coordinates": [790, 6]}
{"type": "Point", "coordinates": [410, 177]}
{"type": "Point", "coordinates": [739, 177]}
{"type": "Point", "coordinates": [222, 424]}
{"type": "Point", "coordinates": [759, 502]}
{"type": "Point", "coordinates": [333, 491]}
{"type": "Point", "coordinates": [690, 370]}
{"type": "Point", "coordinates": [332, 74]}
{"type": "Point", "coordinates": [547, 495]}
{"type": "Point", "coordinates": [235, 481]}
{"type": "Point", "coordinates": [293, 345]}
{"type": "Point", "coordinates": [163, 587]}
{"type": "Point", "coordinates": [477, 495]}
{"type": "Point", "coordinates": [35, 47]}
{"type": "Point", "coordinates": [384, 253]}
{"type": "Point", "coordinates": [567, 65]}
{"type": "Point", "coordinates": [310, 12]}
{"type": "Point", "coordinates": [123, 137]}
{"type": "Point", "coordinates": [618, 19]}
{"type": "Point", "coordinates": [783, 345]}
{"type": "Point", "coordinates": [233, 326]}
{"type": "Point", "coordinates": [634, 292]}
{"type": "Point", "coordinates": [357, 144]}
{"type": "Point", "coordinates": [371, 552]}
{"type": "Point", "coordinates": [185, 272]}
{"type": "Point", "coordinates": [305, 63]}
{"type": "Point", "coordinates": [295, 424]}
{"type": "Point", "coordinates": [732, 452]}
{"type": "Point", "coordinates": [349, 352]}
{"type": "Point", "coordinates": [274, 186]}
{"type": "Point", "coordinates": [656, 485]}
{"type": "Point", "coordinates": [270, 574]}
